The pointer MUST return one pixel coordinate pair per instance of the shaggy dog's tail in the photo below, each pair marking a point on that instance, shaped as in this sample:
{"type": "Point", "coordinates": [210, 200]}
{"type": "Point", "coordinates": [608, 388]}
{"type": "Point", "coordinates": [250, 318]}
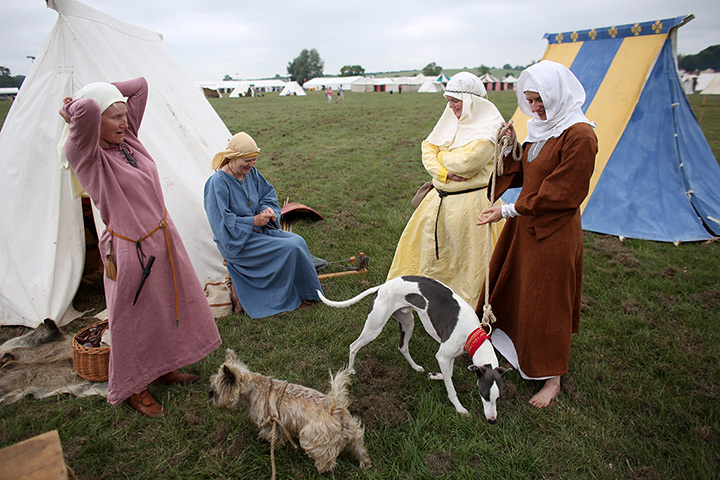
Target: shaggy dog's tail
{"type": "Point", "coordinates": [352, 301]}
{"type": "Point", "coordinates": [338, 395]}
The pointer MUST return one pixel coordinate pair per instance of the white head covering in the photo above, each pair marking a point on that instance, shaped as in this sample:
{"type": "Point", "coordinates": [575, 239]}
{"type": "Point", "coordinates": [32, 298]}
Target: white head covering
{"type": "Point", "coordinates": [105, 94]}
{"type": "Point", "coordinates": [562, 95]}
{"type": "Point", "coordinates": [480, 119]}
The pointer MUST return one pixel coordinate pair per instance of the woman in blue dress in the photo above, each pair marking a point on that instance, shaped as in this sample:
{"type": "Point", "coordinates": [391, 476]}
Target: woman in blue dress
{"type": "Point", "coordinates": [272, 270]}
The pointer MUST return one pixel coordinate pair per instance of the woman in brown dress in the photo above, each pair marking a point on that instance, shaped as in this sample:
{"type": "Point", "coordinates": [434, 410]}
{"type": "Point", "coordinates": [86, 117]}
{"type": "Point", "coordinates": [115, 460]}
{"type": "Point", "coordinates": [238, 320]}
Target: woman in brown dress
{"type": "Point", "coordinates": [536, 268]}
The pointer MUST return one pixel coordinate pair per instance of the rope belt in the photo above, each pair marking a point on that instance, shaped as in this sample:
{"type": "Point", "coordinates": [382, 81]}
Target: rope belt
{"type": "Point", "coordinates": [141, 255]}
{"type": "Point", "coordinates": [444, 194]}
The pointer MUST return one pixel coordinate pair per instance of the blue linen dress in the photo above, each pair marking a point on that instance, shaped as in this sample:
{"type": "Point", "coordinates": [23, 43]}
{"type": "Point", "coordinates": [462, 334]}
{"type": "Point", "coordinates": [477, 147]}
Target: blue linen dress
{"type": "Point", "coordinates": [271, 269]}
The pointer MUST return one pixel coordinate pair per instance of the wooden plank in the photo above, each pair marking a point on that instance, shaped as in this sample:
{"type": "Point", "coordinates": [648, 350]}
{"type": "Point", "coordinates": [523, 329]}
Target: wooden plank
{"type": "Point", "coordinates": [37, 458]}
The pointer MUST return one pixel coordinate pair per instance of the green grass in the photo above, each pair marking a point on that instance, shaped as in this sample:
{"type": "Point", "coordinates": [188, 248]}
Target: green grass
{"type": "Point", "coordinates": [707, 111]}
{"type": "Point", "coordinates": [640, 400]}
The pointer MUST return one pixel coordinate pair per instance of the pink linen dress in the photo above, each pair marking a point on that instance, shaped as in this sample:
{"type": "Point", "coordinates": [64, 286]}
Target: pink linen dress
{"type": "Point", "coordinates": [148, 339]}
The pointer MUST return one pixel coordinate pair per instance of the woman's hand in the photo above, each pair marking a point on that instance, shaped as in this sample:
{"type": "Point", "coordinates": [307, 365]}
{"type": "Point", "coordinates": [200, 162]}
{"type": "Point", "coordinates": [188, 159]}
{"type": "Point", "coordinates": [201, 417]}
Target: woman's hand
{"type": "Point", "coordinates": [510, 132]}
{"type": "Point", "coordinates": [492, 214]}
{"type": "Point", "coordinates": [62, 112]}
{"type": "Point", "coordinates": [262, 218]}
{"type": "Point", "coordinates": [456, 178]}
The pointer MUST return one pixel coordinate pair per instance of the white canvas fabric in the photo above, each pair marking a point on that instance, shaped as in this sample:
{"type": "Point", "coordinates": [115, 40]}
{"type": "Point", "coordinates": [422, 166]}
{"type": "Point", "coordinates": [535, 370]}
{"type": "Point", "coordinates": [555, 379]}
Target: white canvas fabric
{"type": "Point", "coordinates": [293, 88]}
{"type": "Point", "coordinates": [477, 121]}
{"type": "Point", "coordinates": [42, 242]}
{"type": "Point", "coordinates": [563, 96]}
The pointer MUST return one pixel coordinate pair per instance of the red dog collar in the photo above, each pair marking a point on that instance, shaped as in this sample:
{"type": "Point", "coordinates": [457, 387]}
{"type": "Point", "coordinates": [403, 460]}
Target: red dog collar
{"type": "Point", "coordinates": [475, 339]}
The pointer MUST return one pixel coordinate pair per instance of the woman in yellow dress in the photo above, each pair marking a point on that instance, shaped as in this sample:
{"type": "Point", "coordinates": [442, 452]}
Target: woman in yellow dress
{"type": "Point", "coordinates": [441, 239]}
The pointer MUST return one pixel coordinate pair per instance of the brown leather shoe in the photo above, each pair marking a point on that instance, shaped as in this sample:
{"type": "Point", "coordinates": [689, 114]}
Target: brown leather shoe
{"type": "Point", "coordinates": [144, 403]}
{"type": "Point", "coordinates": [307, 304]}
{"type": "Point", "coordinates": [177, 377]}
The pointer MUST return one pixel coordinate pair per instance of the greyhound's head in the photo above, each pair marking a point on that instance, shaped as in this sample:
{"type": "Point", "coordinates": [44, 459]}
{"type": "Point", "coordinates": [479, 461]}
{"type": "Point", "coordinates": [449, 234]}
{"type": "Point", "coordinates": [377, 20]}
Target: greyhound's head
{"type": "Point", "coordinates": [489, 383]}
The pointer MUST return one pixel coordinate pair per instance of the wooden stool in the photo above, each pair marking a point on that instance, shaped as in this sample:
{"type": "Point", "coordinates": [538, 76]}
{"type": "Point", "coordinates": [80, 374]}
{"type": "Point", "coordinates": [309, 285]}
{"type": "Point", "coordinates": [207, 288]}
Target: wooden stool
{"type": "Point", "coordinates": [37, 458]}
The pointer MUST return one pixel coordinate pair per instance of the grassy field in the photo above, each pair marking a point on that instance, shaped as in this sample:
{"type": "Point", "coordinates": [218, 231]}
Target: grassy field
{"type": "Point", "coordinates": [641, 399]}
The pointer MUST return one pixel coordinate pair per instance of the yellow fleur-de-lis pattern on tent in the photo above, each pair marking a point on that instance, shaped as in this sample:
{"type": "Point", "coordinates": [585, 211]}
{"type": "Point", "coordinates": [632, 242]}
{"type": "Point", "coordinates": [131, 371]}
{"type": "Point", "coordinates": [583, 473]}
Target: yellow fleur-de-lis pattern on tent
{"type": "Point", "coordinates": [640, 29]}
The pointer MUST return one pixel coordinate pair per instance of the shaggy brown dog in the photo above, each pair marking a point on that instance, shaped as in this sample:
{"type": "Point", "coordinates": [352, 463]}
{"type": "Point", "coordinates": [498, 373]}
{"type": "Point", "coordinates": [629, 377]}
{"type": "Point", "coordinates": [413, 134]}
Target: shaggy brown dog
{"type": "Point", "coordinates": [321, 422]}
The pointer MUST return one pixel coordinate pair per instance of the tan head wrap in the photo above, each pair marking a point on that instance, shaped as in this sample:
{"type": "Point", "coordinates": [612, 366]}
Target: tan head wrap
{"type": "Point", "coordinates": [241, 145]}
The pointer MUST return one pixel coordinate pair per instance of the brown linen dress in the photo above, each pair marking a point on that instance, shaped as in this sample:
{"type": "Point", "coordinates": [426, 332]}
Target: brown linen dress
{"type": "Point", "coordinates": [536, 268]}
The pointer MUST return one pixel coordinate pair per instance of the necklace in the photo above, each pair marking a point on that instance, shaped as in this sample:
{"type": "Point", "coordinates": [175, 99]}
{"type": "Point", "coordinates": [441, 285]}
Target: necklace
{"type": "Point", "coordinates": [241, 182]}
{"type": "Point", "coordinates": [235, 174]}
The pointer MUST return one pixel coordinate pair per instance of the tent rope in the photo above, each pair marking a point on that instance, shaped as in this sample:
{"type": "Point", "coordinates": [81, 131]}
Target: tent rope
{"type": "Point", "coordinates": [275, 420]}
{"type": "Point", "coordinates": [502, 143]}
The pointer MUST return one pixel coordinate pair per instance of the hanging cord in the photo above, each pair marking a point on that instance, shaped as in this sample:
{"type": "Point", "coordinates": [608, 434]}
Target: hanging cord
{"type": "Point", "coordinates": [502, 143]}
{"type": "Point", "coordinates": [275, 420]}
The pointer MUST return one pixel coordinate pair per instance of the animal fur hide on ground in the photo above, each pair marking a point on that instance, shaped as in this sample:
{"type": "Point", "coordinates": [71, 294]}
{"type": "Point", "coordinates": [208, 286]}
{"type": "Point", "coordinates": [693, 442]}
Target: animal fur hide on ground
{"type": "Point", "coordinates": [39, 363]}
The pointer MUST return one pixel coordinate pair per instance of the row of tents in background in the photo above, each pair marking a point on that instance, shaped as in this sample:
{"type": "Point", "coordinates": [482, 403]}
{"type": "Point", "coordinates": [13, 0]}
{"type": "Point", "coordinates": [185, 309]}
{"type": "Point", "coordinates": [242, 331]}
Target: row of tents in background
{"type": "Point", "coordinates": [418, 83]}
{"type": "Point", "coordinates": [707, 82]}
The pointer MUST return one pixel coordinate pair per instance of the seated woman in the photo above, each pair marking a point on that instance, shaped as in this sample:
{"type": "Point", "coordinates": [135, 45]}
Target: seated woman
{"type": "Point", "coordinates": [272, 270]}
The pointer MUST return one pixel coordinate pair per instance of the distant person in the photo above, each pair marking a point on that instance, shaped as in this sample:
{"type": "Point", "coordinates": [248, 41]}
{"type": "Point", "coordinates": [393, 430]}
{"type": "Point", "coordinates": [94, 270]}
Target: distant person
{"type": "Point", "coordinates": [329, 94]}
{"type": "Point", "coordinates": [537, 266]}
{"type": "Point", "coordinates": [441, 239]}
{"type": "Point", "coordinates": [272, 270]}
{"type": "Point", "coordinates": [341, 94]}
{"type": "Point", "coordinates": [163, 322]}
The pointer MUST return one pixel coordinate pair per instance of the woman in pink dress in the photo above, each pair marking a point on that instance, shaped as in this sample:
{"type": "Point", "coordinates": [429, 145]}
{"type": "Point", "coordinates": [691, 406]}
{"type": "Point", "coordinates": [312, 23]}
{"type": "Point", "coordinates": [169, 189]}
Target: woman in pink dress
{"type": "Point", "coordinates": [159, 317]}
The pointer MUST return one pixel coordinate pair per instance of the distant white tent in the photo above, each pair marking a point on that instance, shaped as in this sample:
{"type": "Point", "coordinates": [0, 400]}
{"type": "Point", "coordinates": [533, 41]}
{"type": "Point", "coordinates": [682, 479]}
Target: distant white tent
{"type": "Point", "coordinates": [293, 88]}
{"type": "Point", "coordinates": [688, 81]}
{"type": "Point", "coordinates": [703, 80]}
{"type": "Point", "coordinates": [274, 85]}
{"type": "Point", "coordinates": [8, 92]}
{"type": "Point", "coordinates": [223, 87]}
{"type": "Point", "coordinates": [713, 87]}
{"type": "Point", "coordinates": [431, 86]}
{"type": "Point", "coordinates": [42, 241]}
{"type": "Point", "coordinates": [442, 78]}
{"type": "Point", "coordinates": [322, 83]}
{"type": "Point", "coordinates": [241, 89]}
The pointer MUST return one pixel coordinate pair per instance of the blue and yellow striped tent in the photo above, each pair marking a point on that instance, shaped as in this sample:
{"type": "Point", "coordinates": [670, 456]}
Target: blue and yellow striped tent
{"type": "Point", "coordinates": [655, 176]}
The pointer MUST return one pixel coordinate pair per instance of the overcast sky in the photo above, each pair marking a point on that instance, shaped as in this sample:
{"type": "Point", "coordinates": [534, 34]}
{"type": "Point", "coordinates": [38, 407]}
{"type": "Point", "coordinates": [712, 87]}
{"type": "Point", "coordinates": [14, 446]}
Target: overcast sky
{"type": "Point", "coordinates": [256, 39]}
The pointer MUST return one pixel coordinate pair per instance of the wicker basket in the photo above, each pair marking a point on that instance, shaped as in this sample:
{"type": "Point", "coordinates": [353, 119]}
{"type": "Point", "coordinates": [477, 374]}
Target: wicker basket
{"type": "Point", "coordinates": [91, 363]}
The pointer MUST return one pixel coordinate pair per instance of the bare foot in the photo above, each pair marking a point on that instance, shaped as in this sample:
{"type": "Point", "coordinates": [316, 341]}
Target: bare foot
{"type": "Point", "coordinates": [547, 393]}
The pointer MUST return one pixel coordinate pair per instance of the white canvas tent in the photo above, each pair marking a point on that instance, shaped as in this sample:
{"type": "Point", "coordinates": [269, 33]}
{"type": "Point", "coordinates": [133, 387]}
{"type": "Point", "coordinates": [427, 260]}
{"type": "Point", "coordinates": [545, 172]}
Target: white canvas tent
{"type": "Point", "coordinates": [713, 87]}
{"type": "Point", "coordinates": [293, 88]}
{"type": "Point", "coordinates": [241, 90]}
{"type": "Point", "coordinates": [703, 80]}
{"type": "Point", "coordinates": [431, 86]}
{"type": "Point", "coordinates": [42, 243]}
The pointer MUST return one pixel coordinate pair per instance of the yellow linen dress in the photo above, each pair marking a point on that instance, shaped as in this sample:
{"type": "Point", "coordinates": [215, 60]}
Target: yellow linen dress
{"type": "Point", "coordinates": [462, 247]}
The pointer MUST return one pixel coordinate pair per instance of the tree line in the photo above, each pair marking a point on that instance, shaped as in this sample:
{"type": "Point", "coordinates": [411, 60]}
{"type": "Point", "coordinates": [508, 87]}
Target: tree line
{"type": "Point", "coordinates": [8, 80]}
{"type": "Point", "coordinates": [708, 58]}
{"type": "Point", "coordinates": [308, 65]}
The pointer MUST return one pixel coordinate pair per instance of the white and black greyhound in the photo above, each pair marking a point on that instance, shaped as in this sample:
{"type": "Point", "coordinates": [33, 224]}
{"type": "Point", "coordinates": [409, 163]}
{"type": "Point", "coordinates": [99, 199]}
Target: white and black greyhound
{"type": "Point", "coordinates": [447, 318]}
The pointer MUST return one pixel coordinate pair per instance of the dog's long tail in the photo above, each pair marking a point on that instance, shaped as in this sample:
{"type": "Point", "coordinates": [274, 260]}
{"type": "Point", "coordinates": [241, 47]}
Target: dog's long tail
{"type": "Point", "coordinates": [352, 301]}
{"type": "Point", "coordinates": [338, 394]}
